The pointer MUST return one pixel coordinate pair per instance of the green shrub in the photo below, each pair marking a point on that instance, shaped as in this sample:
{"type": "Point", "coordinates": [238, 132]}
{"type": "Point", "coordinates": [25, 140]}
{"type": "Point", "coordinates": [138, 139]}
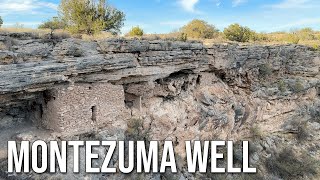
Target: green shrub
{"type": "Point", "coordinates": [256, 132]}
{"type": "Point", "coordinates": [297, 86]}
{"type": "Point", "coordinates": [303, 132]}
{"type": "Point", "coordinates": [300, 129]}
{"type": "Point", "coordinates": [135, 130]}
{"type": "Point", "coordinates": [238, 33]}
{"type": "Point", "coordinates": [259, 37]}
{"type": "Point", "coordinates": [293, 38]}
{"type": "Point", "coordinates": [90, 17]}
{"type": "Point", "coordinates": [315, 47]}
{"type": "Point", "coordinates": [282, 86]}
{"type": "Point", "coordinates": [199, 29]}
{"type": "Point", "coordinates": [135, 31]}
{"type": "Point", "coordinates": [306, 34]}
{"type": "Point", "coordinates": [182, 37]}
{"type": "Point", "coordinates": [265, 70]}
{"type": "Point", "coordinates": [53, 25]}
{"type": "Point", "coordinates": [315, 114]}
{"type": "Point", "coordinates": [288, 165]}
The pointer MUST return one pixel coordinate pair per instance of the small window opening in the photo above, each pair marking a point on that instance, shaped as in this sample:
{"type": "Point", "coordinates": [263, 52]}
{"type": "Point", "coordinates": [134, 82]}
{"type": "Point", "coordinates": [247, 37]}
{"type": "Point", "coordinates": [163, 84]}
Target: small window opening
{"type": "Point", "coordinates": [94, 113]}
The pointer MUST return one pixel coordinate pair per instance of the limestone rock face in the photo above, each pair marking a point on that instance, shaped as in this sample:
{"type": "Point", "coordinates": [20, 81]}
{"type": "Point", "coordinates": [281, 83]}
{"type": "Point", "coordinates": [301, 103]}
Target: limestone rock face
{"type": "Point", "coordinates": [83, 108]}
{"type": "Point", "coordinates": [178, 91]}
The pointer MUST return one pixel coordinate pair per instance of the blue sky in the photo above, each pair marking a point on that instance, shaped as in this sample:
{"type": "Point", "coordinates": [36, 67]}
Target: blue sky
{"type": "Point", "coordinates": [162, 16]}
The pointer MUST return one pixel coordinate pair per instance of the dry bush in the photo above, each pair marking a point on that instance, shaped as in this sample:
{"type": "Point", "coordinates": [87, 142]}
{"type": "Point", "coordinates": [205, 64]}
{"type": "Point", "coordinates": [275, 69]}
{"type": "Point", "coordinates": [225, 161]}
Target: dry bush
{"type": "Point", "coordinates": [306, 34]}
{"type": "Point", "coordinates": [311, 39]}
{"type": "Point", "coordinates": [220, 38]}
{"type": "Point", "coordinates": [173, 36]}
{"type": "Point", "coordinates": [288, 165]}
{"type": "Point", "coordinates": [279, 37]}
{"type": "Point", "coordinates": [292, 38]}
{"type": "Point", "coordinates": [276, 38]}
{"type": "Point", "coordinates": [300, 129]}
{"type": "Point", "coordinates": [282, 86]}
{"type": "Point", "coordinates": [182, 37]}
{"type": "Point", "coordinates": [236, 32]}
{"type": "Point", "coordinates": [169, 36]}
{"type": "Point", "coordinates": [315, 114]}
{"type": "Point", "coordinates": [151, 37]}
{"type": "Point", "coordinates": [265, 70]}
{"type": "Point", "coordinates": [259, 37]}
{"type": "Point", "coordinates": [61, 34]}
{"type": "Point", "coordinates": [135, 31]}
{"type": "Point", "coordinates": [297, 86]}
{"type": "Point", "coordinates": [38, 33]}
{"type": "Point", "coordinates": [135, 130]}
{"type": "Point", "coordinates": [23, 30]}
{"type": "Point", "coordinates": [35, 33]}
{"type": "Point", "coordinates": [54, 24]}
{"type": "Point", "coordinates": [199, 29]}
{"type": "Point", "coordinates": [58, 34]}
{"type": "Point", "coordinates": [97, 36]}
{"type": "Point", "coordinates": [3, 46]}
{"type": "Point", "coordinates": [256, 132]}
{"type": "Point", "coordinates": [303, 132]}
{"type": "Point", "coordinates": [303, 37]}
{"type": "Point", "coordinates": [315, 47]}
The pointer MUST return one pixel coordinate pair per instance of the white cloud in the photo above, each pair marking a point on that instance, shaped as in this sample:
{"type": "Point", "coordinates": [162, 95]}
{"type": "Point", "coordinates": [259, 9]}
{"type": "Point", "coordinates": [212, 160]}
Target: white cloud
{"type": "Point", "coordinates": [236, 3]}
{"type": "Point", "coordinates": [174, 23]}
{"type": "Point", "coordinates": [19, 6]}
{"type": "Point", "coordinates": [300, 23]}
{"type": "Point", "coordinates": [291, 4]}
{"type": "Point", "coordinates": [216, 2]}
{"type": "Point", "coordinates": [188, 5]}
{"type": "Point", "coordinates": [49, 5]}
{"type": "Point", "coordinates": [28, 24]}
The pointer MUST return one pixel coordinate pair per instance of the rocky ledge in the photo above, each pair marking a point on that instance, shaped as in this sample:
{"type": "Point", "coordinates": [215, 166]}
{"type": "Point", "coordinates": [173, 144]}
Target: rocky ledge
{"type": "Point", "coordinates": [178, 90]}
{"type": "Point", "coordinates": [29, 65]}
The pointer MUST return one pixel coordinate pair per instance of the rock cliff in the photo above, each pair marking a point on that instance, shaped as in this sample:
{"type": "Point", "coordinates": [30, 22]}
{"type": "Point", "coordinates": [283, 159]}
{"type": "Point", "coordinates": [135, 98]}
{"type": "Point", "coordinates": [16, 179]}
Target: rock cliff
{"type": "Point", "coordinates": [177, 90]}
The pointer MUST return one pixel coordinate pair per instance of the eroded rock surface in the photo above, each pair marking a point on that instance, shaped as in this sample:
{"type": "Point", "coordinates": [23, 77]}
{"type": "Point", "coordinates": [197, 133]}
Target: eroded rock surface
{"type": "Point", "coordinates": [178, 90]}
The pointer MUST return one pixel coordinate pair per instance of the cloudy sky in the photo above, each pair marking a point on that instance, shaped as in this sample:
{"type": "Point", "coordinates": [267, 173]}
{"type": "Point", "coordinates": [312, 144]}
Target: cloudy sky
{"type": "Point", "coordinates": [162, 16]}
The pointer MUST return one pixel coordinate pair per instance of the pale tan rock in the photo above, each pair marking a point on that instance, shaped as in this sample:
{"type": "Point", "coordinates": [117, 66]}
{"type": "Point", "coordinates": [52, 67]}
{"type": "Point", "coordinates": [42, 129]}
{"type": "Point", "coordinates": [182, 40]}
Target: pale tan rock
{"type": "Point", "coordinates": [85, 107]}
{"type": "Point", "coordinates": [179, 90]}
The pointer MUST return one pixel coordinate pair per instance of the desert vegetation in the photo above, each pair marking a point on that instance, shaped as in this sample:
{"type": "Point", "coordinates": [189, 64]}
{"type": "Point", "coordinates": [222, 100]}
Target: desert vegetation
{"type": "Point", "coordinates": [90, 17]}
{"type": "Point", "coordinates": [315, 114]}
{"type": "Point", "coordinates": [136, 131]}
{"type": "Point", "coordinates": [91, 20]}
{"type": "Point", "coordinates": [199, 29]}
{"type": "Point", "coordinates": [135, 31]}
{"type": "Point", "coordinates": [238, 33]}
{"type": "Point", "coordinates": [288, 164]}
{"type": "Point", "coordinates": [53, 25]}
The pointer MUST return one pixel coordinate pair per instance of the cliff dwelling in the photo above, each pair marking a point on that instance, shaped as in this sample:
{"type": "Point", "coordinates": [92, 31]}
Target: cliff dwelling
{"type": "Point", "coordinates": [84, 107]}
{"type": "Point", "coordinates": [119, 89]}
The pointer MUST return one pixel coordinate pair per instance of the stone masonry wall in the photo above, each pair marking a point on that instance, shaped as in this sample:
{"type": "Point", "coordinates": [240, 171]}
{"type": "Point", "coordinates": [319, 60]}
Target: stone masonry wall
{"type": "Point", "coordinates": [85, 107]}
{"type": "Point", "coordinates": [118, 89]}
